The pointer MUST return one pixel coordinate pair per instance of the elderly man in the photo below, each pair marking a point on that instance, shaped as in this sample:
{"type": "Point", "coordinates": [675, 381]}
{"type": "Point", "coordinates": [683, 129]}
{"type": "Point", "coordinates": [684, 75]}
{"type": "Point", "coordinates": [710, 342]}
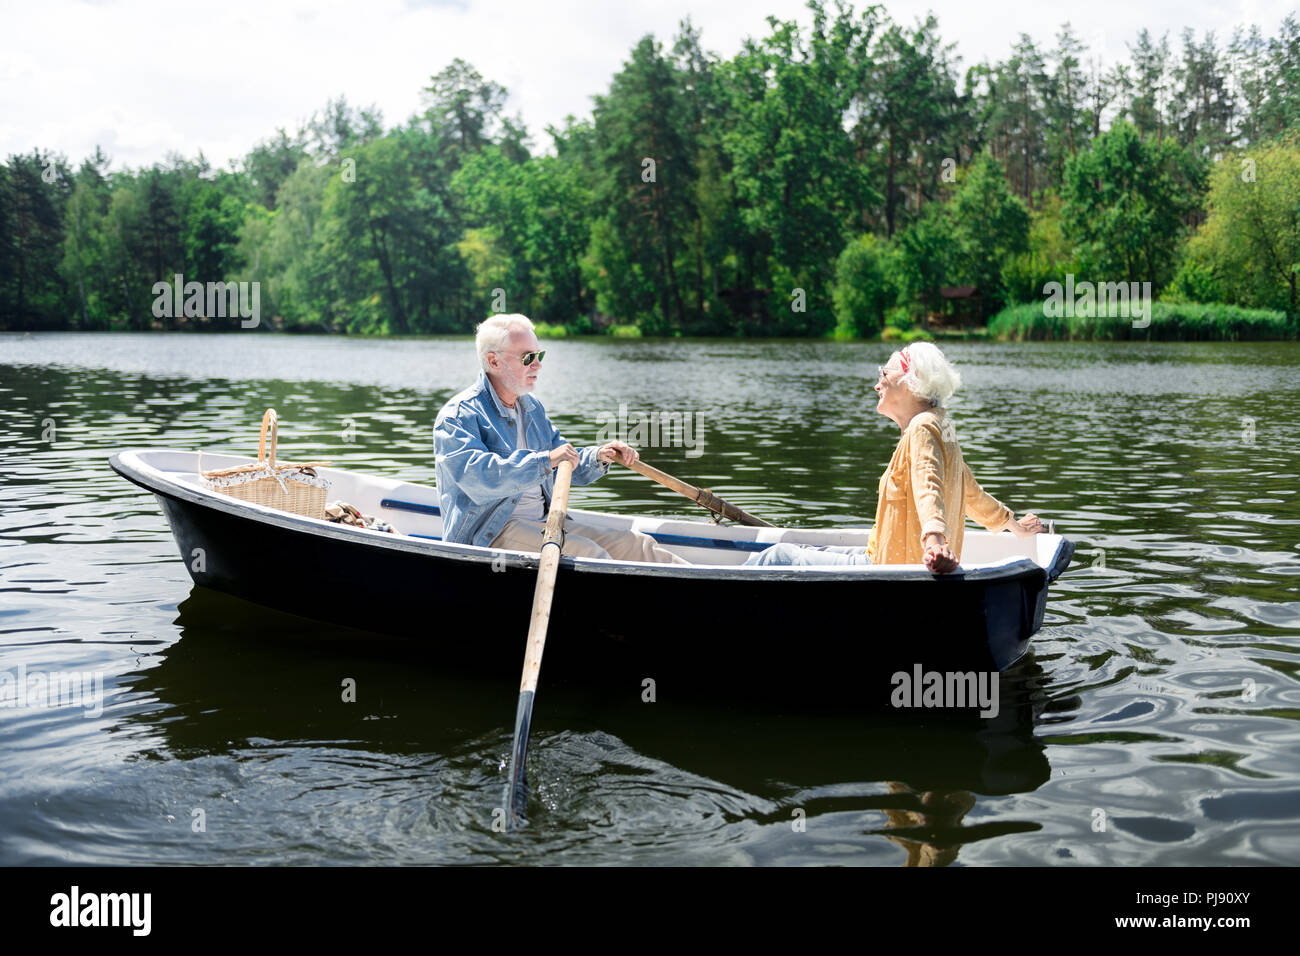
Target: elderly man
{"type": "Point", "coordinates": [497, 451]}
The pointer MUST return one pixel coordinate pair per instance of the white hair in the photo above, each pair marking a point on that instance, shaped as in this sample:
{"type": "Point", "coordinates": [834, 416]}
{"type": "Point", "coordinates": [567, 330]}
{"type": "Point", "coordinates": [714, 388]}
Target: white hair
{"type": "Point", "coordinates": [930, 376]}
{"type": "Point", "coordinates": [493, 335]}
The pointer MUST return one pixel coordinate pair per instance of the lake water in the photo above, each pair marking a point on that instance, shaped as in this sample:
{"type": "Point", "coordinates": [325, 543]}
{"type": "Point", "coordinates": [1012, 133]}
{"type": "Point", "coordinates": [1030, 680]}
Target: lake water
{"type": "Point", "coordinates": [1163, 692]}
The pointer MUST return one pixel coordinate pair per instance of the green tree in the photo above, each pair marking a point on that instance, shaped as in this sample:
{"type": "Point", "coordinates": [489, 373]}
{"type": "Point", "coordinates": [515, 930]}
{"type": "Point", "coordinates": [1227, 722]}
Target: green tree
{"type": "Point", "coordinates": [1202, 106]}
{"type": "Point", "coordinates": [647, 186]}
{"type": "Point", "coordinates": [533, 225]}
{"type": "Point", "coordinates": [1066, 111]}
{"type": "Point", "coordinates": [989, 227]}
{"type": "Point", "coordinates": [32, 292]}
{"type": "Point", "coordinates": [271, 162]}
{"type": "Point", "coordinates": [1280, 109]}
{"type": "Point", "coordinates": [211, 218]}
{"type": "Point", "coordinates": [375, 237]}
{"type": "Point", "coordinates": [1049, 256]}
{"type": "Point", "coordinates": [865, 286]}
{"type": "Point", "coordinates": [926, 257]}
{"type": "Point", "coordinates": [463, 109]}
{"type": "Point", "coordinates": [283, 249]}
{"type": "Point", "coordinates": [334, 130]}
{"type": "Point", "coordinates": [1123, 203]}
{"type": "Point", "coordinates": [1017, 120]}
{"type": "Point", "coordinates": [127, 252]}
{"type": "Point", "coordinates": [1250, 243]}
{"type": "Point", "coordinates": [1151, 82]}
{"type": "Point", "coordinates": [707, 112]}
{"type": "Point", "coordinates": [85, 248]}
{"type": "Point", "coordinates": [909, 104]}
{"type": "Point", "coordinates": [793, 173]}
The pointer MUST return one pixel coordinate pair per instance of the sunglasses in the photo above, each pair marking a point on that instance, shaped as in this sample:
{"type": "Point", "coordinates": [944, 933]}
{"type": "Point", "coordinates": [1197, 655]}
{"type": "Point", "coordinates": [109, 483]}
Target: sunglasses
{"type": "Point", "coordinates": [529, 357]}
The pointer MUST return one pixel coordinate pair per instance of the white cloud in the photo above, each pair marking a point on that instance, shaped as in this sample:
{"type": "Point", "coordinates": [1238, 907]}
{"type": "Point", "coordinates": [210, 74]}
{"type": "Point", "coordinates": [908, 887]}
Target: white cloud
{"type": "Point", "coordinates": [145, 77]}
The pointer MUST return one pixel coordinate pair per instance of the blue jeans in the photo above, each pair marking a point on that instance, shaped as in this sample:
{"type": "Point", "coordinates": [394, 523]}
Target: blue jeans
{"type": "Point", "coordinates": [807, 554]}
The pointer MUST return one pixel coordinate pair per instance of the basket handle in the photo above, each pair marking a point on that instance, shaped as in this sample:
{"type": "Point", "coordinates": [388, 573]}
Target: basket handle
{"type": "Point", "coordinates": [271, 419]}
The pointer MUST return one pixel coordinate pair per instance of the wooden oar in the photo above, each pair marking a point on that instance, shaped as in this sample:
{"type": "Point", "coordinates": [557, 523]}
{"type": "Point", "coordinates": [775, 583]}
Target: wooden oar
{"type": "Point", "coordinates": [516, 789]}
{"type": "Point", "coordinates": [701, 497]}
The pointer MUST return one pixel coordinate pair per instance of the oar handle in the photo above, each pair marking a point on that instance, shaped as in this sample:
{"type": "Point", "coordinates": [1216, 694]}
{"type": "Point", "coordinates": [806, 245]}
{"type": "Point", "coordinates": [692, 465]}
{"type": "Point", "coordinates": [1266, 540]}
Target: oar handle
{"type": "Point", "coordinates": [665, 479]}
{"type": "Point", "coordinates": [700, 496]}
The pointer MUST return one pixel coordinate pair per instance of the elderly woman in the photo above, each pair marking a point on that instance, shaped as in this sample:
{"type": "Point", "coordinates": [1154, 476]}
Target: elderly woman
{"type": "Point", "coordinates": [927, 491]}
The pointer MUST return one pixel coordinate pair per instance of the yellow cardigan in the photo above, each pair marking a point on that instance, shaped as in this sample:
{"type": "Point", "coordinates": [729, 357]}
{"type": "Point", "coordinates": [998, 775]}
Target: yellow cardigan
{"type": "Point", "coordinates": [928, 487]}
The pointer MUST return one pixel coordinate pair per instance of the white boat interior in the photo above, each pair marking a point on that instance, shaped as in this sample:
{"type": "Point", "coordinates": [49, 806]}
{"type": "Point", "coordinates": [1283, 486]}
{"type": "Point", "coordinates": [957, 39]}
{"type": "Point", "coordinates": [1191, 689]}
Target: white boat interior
{"type": "Point", "coordinates": [414, 510]}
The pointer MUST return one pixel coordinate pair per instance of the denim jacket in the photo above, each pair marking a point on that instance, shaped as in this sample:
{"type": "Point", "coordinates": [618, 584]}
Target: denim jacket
{"type": "Point", "coordinates": [480, 473]}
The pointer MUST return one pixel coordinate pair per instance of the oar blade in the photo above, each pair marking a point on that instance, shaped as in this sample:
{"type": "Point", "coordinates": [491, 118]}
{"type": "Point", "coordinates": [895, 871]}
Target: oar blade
{"type": "Point", "coordinates": [516, 796]}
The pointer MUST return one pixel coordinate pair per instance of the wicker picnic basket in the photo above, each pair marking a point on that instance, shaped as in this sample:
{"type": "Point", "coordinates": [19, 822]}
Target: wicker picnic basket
{"type": "Point", "coordinates": [293, 488]}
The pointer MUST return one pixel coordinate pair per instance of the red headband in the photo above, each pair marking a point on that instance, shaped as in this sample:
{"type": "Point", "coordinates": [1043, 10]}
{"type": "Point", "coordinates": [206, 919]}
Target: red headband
{"type": "Point", "coordinates": [902, 360]}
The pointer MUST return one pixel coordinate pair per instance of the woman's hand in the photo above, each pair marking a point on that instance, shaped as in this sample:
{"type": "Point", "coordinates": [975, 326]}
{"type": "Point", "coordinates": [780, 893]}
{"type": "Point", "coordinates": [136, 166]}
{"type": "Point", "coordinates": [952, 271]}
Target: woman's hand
{"type": "Point", "coordinates": [938, 557]}
{"type": "Point", "coordinates": [1026, 527]}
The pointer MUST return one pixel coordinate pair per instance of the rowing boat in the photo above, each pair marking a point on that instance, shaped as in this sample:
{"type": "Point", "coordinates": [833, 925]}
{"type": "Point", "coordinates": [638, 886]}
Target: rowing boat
{"type": "Point", "coordinates": [810, 629]}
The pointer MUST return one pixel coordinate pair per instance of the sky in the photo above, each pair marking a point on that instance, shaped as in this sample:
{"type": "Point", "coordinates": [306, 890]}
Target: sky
{"type": "Point", "coordinates": [145, 78]}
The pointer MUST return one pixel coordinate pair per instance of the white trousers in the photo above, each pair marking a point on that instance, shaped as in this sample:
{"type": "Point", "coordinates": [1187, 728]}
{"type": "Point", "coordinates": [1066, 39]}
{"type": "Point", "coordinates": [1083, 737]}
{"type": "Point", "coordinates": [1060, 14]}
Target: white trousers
{"type": "Point", "coordinates": [584, 540]}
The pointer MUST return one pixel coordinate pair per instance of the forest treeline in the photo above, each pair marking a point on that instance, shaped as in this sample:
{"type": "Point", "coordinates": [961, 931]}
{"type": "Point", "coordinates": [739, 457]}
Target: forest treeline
{"type": "Point", "coordinates": [831, 177]}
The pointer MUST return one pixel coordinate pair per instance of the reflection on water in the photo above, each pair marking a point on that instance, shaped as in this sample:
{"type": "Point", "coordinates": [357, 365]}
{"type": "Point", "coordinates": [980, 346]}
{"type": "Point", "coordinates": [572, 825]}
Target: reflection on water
{"type": "Point", "coordinates": [1160, 698]}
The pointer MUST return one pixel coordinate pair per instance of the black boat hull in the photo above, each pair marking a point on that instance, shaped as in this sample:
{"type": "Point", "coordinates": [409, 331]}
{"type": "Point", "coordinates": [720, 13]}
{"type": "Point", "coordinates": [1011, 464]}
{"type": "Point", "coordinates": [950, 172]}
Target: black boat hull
{"type": "Point", "coordinates": [797, 632]}
{"type": "Point", "coordinates": [787, 633]}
